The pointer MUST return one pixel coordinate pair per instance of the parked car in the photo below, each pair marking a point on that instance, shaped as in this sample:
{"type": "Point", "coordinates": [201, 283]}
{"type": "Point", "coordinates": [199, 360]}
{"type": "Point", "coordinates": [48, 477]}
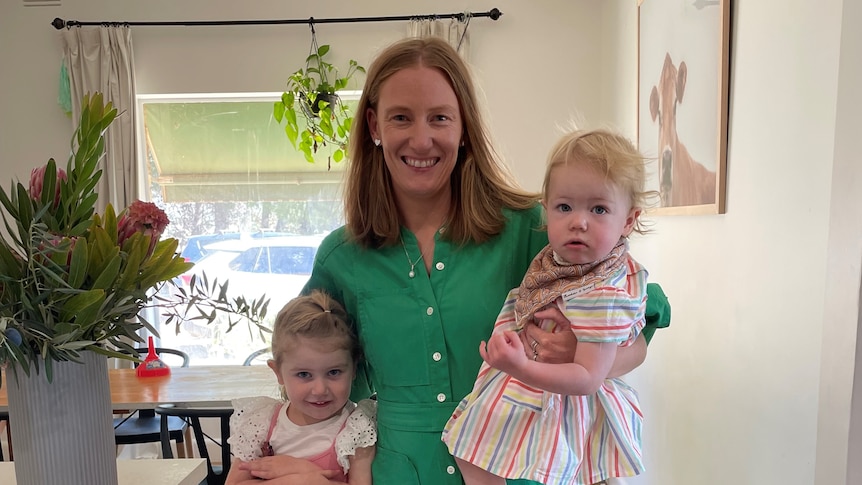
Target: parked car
{"type": "Point", "coordinates": [276, 266]}
{"type": "Point", "coordinates": [196, 246]}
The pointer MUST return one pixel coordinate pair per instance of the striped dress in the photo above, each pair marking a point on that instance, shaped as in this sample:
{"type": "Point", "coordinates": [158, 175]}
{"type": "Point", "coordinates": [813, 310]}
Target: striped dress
{"type": "Point", "coordinates": [520, 432]}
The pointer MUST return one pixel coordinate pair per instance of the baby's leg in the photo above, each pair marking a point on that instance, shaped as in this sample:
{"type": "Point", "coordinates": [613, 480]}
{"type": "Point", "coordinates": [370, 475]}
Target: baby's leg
{"type": "Point", "coordinates": [474, 475]}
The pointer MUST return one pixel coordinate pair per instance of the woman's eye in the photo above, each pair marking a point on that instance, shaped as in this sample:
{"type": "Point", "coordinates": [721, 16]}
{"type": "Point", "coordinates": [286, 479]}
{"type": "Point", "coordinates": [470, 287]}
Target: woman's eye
{"type": "Point", "coordinates": [335, 372]}
{"type": "Point", "coordinates": [399, 118]}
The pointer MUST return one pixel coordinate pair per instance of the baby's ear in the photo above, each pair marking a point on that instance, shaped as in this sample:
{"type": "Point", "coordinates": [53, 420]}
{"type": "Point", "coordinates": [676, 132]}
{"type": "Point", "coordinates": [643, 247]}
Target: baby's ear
{"type": "Point", "coordinates": [544, 204]}
{"type": "Point", "coordinates": [634, 214]}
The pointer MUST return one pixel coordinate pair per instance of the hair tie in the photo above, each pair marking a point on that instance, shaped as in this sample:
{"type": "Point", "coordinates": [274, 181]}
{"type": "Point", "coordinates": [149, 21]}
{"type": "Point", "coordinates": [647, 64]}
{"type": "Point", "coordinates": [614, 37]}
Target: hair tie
{"type": "Point", "coordinates": [327, 311]}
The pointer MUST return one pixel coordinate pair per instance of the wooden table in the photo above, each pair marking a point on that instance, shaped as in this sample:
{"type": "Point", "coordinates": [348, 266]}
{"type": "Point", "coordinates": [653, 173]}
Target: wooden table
{"type": "Point", "coordinates": [212, 386]}
{"type": "Point", "coordinates": [199, 386]}
{"type": "Point", "coordinates": [185, 471]}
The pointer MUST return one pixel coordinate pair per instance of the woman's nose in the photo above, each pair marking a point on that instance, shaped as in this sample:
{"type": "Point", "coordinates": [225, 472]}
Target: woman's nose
{"type": "Point", "coordinates": [421, 137]}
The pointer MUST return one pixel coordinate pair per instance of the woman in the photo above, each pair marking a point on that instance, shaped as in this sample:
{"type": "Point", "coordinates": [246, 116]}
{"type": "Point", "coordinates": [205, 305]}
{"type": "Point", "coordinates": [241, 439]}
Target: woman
{"type": "Point", "coordinates": [437, 232]}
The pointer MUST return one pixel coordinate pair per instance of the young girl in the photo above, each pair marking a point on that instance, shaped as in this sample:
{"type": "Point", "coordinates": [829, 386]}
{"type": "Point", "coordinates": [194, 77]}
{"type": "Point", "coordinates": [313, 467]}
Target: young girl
{"type": "Point", "coordinates": [566, 423]}
{"type": "Point", "coordinates": [316, 434]}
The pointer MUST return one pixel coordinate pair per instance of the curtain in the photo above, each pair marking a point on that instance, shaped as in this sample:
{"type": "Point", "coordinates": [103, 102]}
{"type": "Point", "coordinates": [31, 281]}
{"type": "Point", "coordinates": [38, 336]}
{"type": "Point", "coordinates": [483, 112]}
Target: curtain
{"type": "Point", "coordinates": [100, 59]}
{"type": "Point", "coordinates": [452, 30]}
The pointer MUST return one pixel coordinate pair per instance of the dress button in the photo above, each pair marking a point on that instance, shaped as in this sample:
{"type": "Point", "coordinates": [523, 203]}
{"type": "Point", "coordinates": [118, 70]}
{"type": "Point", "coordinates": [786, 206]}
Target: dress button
{"type": "Point", "coordinates": [430, 311]}
{"type": "Point", "coordinates": [450, 470]}
{"type": "Point", "coordinates": [436, 356]}
{"type": "Point", "coordinates": [440, 266]}
{"type": "Point", "coordinates": [441, 397]}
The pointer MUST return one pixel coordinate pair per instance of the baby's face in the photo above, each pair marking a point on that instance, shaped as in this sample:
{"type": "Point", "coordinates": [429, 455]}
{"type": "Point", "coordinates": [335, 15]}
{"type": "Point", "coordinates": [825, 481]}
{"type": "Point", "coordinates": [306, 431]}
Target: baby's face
{"type": "Point", "coordinates": [587, 214]}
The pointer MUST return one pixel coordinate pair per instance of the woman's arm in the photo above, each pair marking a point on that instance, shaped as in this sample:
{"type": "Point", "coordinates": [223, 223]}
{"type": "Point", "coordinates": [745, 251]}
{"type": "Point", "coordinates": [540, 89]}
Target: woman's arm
{"type": "Point", "coordinates": [559, 347]}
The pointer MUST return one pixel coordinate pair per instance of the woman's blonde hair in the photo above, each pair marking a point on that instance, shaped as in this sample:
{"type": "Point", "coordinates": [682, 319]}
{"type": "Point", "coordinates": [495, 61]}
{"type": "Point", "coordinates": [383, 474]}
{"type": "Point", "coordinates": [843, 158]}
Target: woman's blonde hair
{"type": "Point", "coordinates": [481, 184]}
{"type": "Point", "coordinates": [313, 316]}
{"type": "Point", "coordinates": [608, 153]}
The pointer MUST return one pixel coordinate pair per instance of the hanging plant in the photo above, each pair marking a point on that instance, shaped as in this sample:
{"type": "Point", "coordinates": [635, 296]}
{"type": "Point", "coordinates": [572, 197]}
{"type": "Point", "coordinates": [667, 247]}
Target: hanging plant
{"type": "Point", "coordinates": [312, 95]}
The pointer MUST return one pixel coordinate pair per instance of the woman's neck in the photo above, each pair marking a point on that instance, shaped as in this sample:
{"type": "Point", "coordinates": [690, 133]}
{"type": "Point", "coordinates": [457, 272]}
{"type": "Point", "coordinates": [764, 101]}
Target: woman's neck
{"type": "Point", "coordinates": [424, 217]}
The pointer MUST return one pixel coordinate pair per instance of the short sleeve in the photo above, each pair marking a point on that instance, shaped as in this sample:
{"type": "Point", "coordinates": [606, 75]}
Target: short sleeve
{"type": "Point", "coordinates": [360, 431]}
{"type": "Point", "coordinates": [249, 425]}
{"type": "Point", "coordinates": [613, 311]}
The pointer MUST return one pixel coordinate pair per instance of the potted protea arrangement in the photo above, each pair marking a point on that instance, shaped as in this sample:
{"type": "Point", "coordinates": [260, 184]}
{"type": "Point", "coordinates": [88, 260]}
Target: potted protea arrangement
{"type": "Point", "coordinates": [73, 283]}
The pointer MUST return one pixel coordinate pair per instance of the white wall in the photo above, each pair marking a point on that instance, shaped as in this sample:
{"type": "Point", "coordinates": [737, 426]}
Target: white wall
{"type": "Point", "coordinates": [751, 384]}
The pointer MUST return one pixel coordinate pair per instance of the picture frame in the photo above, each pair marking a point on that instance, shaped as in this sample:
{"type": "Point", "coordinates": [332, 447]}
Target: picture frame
{"type": "Point", "coordinates": [683, 92]}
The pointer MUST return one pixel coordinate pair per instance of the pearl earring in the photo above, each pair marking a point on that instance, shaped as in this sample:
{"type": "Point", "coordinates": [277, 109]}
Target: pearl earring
{"type": "Point", "coordinates": [377, 142]}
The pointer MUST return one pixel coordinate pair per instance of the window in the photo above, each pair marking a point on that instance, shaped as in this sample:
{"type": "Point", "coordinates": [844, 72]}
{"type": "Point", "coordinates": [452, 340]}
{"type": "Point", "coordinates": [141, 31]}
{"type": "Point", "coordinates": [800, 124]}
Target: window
{"type": "Point", "coordinates": [244, 204]}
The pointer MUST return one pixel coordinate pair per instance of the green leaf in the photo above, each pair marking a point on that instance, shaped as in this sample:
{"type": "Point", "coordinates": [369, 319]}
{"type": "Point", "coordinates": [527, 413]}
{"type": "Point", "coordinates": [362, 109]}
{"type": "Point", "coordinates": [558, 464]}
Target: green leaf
{"type": "Point", "coordinates": [78, 264]}
{"type": "Point", "coordinates": [323, 50]}
{"type": "Point", "coordinates": [278, 111]}
{"type": "Point", "coordinates": [109, 273]}
{"type": "Point", "coordinates": [82, 307]}
{"type": "Point", "coordinates": [338, 155]}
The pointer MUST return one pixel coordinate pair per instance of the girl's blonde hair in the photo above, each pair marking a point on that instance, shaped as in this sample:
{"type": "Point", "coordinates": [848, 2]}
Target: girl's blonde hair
{"type": "Point", "coordinates": [609, 153]}
{"type": "Point", "coordinates": [313, 316]}
{"type": "Point", "coordinates": [481, 184]}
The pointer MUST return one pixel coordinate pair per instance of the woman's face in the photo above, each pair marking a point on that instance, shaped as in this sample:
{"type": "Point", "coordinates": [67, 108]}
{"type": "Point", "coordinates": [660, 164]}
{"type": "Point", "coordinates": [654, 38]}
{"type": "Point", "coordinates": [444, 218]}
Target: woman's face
{"type": "Point", "coordinates": [419, 124]}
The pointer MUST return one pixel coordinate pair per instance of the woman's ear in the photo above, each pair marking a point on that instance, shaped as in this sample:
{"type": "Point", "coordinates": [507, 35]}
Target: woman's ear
{"type": "Point", "coordinates": [371, 119]}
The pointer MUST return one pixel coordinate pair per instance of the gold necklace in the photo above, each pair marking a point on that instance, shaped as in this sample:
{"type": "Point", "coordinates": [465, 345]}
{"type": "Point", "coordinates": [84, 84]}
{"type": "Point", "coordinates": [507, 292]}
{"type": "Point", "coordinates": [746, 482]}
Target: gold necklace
{"type": "Point", "coordinates": [412, 273]}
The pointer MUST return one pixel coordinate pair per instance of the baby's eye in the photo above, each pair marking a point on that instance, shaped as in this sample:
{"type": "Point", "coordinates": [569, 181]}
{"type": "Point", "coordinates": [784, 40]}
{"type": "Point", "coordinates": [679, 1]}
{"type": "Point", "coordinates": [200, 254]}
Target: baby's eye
{"type": "Point", "coordinates": [334, 372]}
{"type": "Point", "coordinates": [303, 375]}
{"type": "Point", "coordinates": [564, 208]}
{"type": "Point", "coordinates": [600, 210]}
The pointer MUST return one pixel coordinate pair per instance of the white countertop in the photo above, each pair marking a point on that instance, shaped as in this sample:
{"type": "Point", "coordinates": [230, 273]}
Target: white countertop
{"type": "Point", "coordinates": [180, 471]}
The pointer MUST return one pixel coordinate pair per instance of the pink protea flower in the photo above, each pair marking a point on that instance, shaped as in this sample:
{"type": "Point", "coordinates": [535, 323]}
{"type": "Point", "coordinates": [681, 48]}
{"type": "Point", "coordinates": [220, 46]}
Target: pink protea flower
{"type": "Point", "coordinates": [37, 180]}
{"type": "Point", "coordinates": [144, 217]}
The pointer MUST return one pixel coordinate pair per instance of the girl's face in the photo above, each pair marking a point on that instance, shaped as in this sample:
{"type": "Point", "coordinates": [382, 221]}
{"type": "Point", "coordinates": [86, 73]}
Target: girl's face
{"type": "Point", "coordinates": [316, 375]}
{"type": "Point", "coordinates": [587, 214]}
{"type": "Point", "coordinates": [419, 124]}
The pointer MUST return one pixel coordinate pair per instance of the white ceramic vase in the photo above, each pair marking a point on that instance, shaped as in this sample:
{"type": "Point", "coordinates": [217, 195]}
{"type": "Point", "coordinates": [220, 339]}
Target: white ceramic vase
{"type": "Point", "coordinates": [62, 431]}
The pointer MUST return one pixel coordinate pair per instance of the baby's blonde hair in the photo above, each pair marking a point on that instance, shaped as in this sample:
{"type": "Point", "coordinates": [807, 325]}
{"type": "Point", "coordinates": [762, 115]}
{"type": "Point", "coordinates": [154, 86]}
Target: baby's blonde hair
{"type": "Point", "coordinates": [609, 153]}
{"type": "Point", "coordinates": [314, 316]}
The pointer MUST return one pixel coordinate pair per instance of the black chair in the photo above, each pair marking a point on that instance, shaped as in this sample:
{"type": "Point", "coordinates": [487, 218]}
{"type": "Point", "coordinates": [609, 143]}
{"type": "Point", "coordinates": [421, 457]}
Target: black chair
{"type": "Point", "coordinates": [216, 475]}
{"type": "Point", "coordinates": [254, 355]}
{"type": "Point", "coordinates": [143, 426]}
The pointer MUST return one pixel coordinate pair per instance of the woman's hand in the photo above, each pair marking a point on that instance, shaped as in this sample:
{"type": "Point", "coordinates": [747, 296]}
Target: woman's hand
{"type": "Point", "coordinates": [557, 347]}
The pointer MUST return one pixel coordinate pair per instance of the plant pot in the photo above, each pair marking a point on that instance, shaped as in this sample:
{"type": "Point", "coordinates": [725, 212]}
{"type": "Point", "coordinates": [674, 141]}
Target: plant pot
{"type": "Point", "coordinates": [62, 430]}
{"type": "Point", "coordinates": [312, 109]}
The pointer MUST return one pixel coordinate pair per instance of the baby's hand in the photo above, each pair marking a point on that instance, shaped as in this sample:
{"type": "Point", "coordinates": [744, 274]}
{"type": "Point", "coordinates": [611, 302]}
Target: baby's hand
{"type": "Point", "coordinates": [504, 351]}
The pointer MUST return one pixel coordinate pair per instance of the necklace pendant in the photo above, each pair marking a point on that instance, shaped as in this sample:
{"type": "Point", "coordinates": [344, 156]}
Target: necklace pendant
{"type": "Point", "coordinates": [411, 274]}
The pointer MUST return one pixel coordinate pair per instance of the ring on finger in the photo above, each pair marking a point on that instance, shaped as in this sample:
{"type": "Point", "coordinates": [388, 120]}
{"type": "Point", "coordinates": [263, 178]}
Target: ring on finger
{"type": "Point", "coordinates": [534, 345]}
{"type": "Point", "coordinates": [535, 355]}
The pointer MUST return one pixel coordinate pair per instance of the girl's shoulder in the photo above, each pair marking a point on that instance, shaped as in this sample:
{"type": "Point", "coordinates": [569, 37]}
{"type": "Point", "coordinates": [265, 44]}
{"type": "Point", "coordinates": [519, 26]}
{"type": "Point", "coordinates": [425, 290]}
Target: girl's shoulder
{"type": "Point", "coordinates": [249, 425]}
{"type": "Point", "coordinates": [360, 431]}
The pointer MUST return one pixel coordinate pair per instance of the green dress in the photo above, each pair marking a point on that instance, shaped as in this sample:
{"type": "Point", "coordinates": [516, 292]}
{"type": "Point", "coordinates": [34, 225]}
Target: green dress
{"type": "Point", "coordinates": [421, 335]}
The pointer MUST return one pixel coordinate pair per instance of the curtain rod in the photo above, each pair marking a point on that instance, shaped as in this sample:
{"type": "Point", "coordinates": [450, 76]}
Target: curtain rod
{"type": "Point", "coordinates": [493, 14]}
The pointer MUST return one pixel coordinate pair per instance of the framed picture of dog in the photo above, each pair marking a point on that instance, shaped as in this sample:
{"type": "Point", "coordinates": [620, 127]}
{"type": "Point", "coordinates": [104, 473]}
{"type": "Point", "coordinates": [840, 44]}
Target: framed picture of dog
{"type": "Point", "coordinates": [683, 73]}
